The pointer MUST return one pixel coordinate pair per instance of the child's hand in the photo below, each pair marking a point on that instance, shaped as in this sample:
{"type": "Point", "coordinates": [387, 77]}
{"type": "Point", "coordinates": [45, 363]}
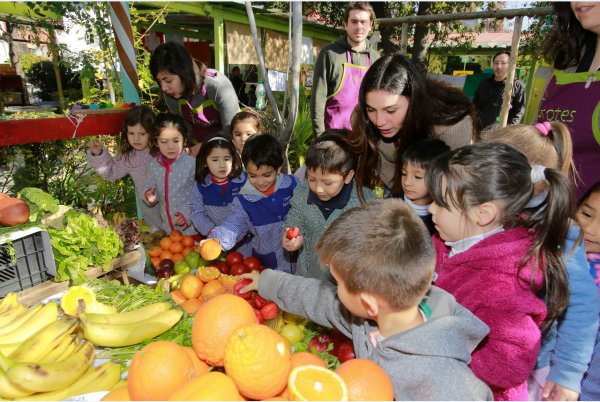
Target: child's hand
{"type": "Point", "coordinates": [295, 242]}
{"type": "Point", "coordinates": [193, 150]}
{"type": "Point", "coordinates": [95, 147]}
{"type": "Point", "coordinates": [150, 195]}
{"type": "Point", "coordinates": [254, 276]}
{"type": "Point", "coordinates": [180, 220]}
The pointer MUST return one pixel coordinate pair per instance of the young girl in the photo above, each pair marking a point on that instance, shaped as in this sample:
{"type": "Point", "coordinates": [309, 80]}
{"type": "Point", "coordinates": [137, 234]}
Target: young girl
{"type": "Point", "coordinates": [588, 216]}
{"type": "Point", "coordinates": [568, 344]}
{"type": "Point", "coordinates": [133, 158]}
{"type": "Point", "coordinates": [171, 174]}
{"type": "Point", "coordinates": [243, 125]}
{"type": "Point", "coordinates": [500, 259]}
{"type": "Point", "coordinates": [219, 178]}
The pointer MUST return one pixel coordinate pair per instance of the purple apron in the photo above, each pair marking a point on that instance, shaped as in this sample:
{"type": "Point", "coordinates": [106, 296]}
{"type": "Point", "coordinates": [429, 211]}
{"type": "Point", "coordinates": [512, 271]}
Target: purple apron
{"type": "Point", "coordinates": [204, 118]}
{"type": "Point", "coordinates": [340, 104]}
{"type": "Point", "coordinates": [574, 99]}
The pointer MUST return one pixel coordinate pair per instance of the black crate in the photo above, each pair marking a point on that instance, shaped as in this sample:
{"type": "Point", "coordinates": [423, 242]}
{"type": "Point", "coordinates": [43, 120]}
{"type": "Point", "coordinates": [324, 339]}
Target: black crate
{"type": "Point", "coordinates": [31, 267]}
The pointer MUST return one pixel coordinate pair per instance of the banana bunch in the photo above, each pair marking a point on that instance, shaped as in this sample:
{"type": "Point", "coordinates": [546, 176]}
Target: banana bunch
{"type": "Point", "coordinates": [129, 328]}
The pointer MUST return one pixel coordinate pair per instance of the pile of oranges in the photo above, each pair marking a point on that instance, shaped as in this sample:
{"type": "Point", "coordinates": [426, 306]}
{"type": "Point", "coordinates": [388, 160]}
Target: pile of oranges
{"type": "Point", "coordinates": [173, 247]}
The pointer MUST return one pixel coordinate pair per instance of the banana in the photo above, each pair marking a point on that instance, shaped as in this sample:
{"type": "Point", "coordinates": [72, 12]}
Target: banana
{"type": "Point", "coordinates": [9, 301]}
{"type": "Point", "coordinates": [37, 319]}
{"type": "Point", "coordinates": [7, 348]}
{"type": "Point", "coordinates": [8, 390]}
{"type": "Point", "coordinates": [46, 377]}
{"type": "Point", "coordinates": [119, 335]}
{"type": "Point", "coordinates": [64, 349]}
{"type": "Point", "coordinates": [10, 315]}
{"type": "Point", "coordinates": [128, 317]}
{"type": "Point", "coordinates": [95, 379]}
{"type": "Point", "coordinates": [5, 362]}
{"type": "Point", "coordinates": [43, 341]}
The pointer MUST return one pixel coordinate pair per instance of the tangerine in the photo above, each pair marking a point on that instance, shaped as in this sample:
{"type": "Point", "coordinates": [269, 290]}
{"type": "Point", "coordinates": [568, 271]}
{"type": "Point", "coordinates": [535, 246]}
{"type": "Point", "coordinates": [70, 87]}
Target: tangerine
{"type": "Point", "coordinates": [155, 261]}
{"type": "Point", "coordinates": [214, 323]}
{"type": "Point", "coordinates": [176, 248]}
{"type": "Point", "coordinates": [187, 241]}
{"type": "Point", "coordinates": [118, 394]}
{"type": "Point", "coordinates": [190, 306]}
{"type": "Point", "coordinates": [258, 360]}
{"type": "Point", "coordinates": [210, 249]}
{"type": "Point", "coordinates": [316, 383]}
{"type": "Point", "coordinates": [191, 287]}
{"type": "Point", "coordinates": [366, 380]}
{"type": "Point", "coordinates": [178, 297]}
{"type": "Point", "coordinates": [157, 370]}
{"type": "Point", "coordinates": [304, 358]}
{"type": "Point", "coordinates": [187, 250]}
{"type": "Point", "coordinates": [176, 235]}
{"type": "Point", "coordinates": [155, 251]}
{"type": "Point", "coordinates": [211, 289]}
{"type": "Point", "coordinates": [211, 386]}
{"type": "Point", "coordinates": [165, 243]}
{"type": "Point", "coordinates": [166, 254]}
{"type": "Point", "coordinates": [207, 274]}
{"type": "Point", "coordinates": [199, 366]}
{"type": "Point", "coordinates": [178, 257]}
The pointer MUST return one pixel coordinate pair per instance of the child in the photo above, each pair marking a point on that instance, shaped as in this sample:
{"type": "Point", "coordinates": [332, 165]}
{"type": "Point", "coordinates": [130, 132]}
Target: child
{"type": "Point", "coordinates": [262, 204]}
{"type": "Point", "coordinates": [382, 258]}
{"type": "Point", "coordinates": [415, 162]}
{"type": "Point", "coordinates": [244, 125]}
{"type": "Point", "coordinates": [499, 259]}
{"type": "Point", "coordinates": [171, 174]}
{"type": "Point", "coordinates": [133, 158]}
{"type": "Point", "coordinates": [588, 216]}
{"type": "Point", "coordinates": [328, 191]}
{"type": "Point", "coordinates": [568, 344]}
{"type": "Point", "coordinates": [219, 179]}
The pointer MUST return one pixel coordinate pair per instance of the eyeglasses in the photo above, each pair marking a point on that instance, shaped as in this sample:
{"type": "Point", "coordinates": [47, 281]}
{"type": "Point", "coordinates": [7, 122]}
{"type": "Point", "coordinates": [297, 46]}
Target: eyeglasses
{"type": "Point", "coordinates": [500, 63]}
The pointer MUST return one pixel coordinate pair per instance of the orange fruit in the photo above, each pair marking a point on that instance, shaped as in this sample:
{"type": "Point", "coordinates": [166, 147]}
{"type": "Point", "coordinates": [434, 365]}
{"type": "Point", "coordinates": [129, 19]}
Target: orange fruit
{"type": "Point", "coordinates": [157, 370]}
{"type": "Point", "coordinates": [187, 241]}
{"type": "Point", "coordinates": [191, 287]}
{"type": "Point", "coordinates": [178, 297]}
{"type": "Point", "coordinates": [214, 323]}
{"type": "Point", "coordinates": [178, 257]}
{"type": "Point", "coordinates": [118, 394]}
{"type": "Point", "coordinates": [166, 254]}
{"type": "Point", "coordinates": [211, 386]}
{"type": "Point", "coordinates": [366, 380]}
{"type": "Point", "coordinates": [304, 358]}
{"type": "Point", "coordinates": [165, 243]}
{"type": "Point", "coordinates": [199, 366]}
{"type": "Point", "coordinates": [187, 250]}
{"type": "Point", "coordinates": [176, 235]}
{"type": "Point", "coordinates": [212, 289]}
{"type": "Point", "coordinates": [258, 360]}
{"type": "Point", "coordinates": [210, 249]}
{"type": "Point", "coordinates": [316, 383]}
{"type": "Point", "coordinates": [228, 281]}
{"type": "Point", "coordinates": [155, 261]}
{"type": "Point", "coordinates": [176, 248]}
{"type": "Point", "coordinates": [155, 251]}
{"type": "Point", "coordinates": [190, 306]}
{"type": "Point", "coordinates": [207, 274]}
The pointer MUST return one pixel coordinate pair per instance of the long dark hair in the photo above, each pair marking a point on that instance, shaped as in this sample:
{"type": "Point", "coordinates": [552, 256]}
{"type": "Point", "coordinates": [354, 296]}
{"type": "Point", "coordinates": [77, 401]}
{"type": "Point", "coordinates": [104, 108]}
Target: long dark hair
{"type": "Point", "coordinates": [491, 171]}
{"type": "Point", "coordinates": [142, 115]}
{"type": "Point", "coordinates": [564, 46]}
{"type": "Point", "coordinates": [175, 58]}
{"type": "Point", "coordinates": [202, 169]}
{"type": "Point", "coordinates": [431, 103]}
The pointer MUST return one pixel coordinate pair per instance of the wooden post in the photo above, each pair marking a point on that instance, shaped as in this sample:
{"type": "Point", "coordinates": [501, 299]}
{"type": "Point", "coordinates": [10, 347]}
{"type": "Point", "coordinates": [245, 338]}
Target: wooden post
{"type": "Point", "coordinates": [219, 42]}
{"type": "Point", "coordinates": [508, 85]}
{"type": "Point", "coordinates": [404, 39]}
{"type": "Point", "coordinates": [55, 62]}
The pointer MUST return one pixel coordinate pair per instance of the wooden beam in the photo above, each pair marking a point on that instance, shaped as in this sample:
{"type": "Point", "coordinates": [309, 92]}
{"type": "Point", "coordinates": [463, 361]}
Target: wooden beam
{"type": "Point", "coordinates": [508, 85]}
{"type": "Point", "coordinates": [426, 19]}
{"type": "Point", "coordinates": [219, 42]}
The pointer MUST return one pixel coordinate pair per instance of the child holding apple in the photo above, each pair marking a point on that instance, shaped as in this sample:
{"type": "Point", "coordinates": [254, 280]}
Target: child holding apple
{"type": "Point", "coordinates": [262, 204]}
{"type": "Point", "coordinates": [328, 191]}
{"type": "Point", "coordinates": [382, 257]}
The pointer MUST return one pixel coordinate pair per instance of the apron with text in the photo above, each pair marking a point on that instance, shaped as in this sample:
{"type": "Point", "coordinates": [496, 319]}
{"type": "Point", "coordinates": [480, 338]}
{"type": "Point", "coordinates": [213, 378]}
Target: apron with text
{"type": "Point", "coordinates": [340, 104]}
{"type": "Point", "coordinates": [204, 118]}
{"type": "Point", "coordinates": [574, 99]}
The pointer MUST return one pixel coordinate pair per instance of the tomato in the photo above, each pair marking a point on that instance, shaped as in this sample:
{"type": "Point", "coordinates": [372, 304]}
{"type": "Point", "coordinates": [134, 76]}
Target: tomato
{"type": "Point", "coordinates": [238, 269]}
{"type": "Point", "coordinates": [234, 257]}
{"type": "Point", "coordinates": [252, 263]}
{"type": "Point", "coordinates": [222, 266]}
{"type": "Point", "coordinates": [239, 285]}
{"type": "Point", "coordinates": [269, 311]}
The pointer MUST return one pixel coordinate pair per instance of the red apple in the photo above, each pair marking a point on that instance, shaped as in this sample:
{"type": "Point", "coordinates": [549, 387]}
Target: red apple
{"type": "Point", "coordinates": [259, 317]}
{"type": "Point", "coordinates": [258, 301]}
{"type": "Point", "coordinates": [292, 233]}
{"type": "Point", "coordinates": [344, 351]}
{"type": "Point", "coordinates": [234, 257]}
{"type": "Point", "coordinates": [222, 267]}
{"type": "Point", "coordinates": [320, 342]}
{"type": "Point", "coordinates": [269, 311]}
{"type": "Point", "coordinates": [252, 262]}
{"type": "Point", "coordinates": [239, 285]}
{"type": "Point", "coordinates": [238, 269]}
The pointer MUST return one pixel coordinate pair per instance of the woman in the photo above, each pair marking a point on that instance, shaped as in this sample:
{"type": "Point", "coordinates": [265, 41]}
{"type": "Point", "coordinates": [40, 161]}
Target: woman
{"type": "Point", "coordinates": [572, 93]}
{"type": "Point", "coordinates": [204, 98]}
{"type": "Point", "coordinates": [397, 107]}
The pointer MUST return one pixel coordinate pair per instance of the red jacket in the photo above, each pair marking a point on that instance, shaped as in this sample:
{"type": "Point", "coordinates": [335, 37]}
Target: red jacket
{"type": "Point", "coordinates": [485, 279]}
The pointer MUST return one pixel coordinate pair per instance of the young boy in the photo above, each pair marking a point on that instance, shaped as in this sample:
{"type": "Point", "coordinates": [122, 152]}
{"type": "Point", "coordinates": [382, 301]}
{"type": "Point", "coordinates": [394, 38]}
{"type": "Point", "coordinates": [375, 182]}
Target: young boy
{"type": "Point", "coordinates": [261, 205]}
{"type": "Point", "coordinates": [382, 258]}
{"type": "Point", "coordinates": [318, 201]}
{"type": "Point", "coordinates": [416, 159]}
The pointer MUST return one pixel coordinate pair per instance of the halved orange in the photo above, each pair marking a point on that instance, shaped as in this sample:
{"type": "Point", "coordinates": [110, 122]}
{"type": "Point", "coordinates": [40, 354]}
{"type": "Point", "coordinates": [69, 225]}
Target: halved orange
{"type": "Point", "coordinates": [315, 383]}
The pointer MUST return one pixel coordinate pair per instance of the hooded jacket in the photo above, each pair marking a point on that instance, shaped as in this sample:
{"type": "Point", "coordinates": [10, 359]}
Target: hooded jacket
{"type": "Point", "coordinates": [486, 280]}
{"type": "Point", "coordinates": [428, 362]}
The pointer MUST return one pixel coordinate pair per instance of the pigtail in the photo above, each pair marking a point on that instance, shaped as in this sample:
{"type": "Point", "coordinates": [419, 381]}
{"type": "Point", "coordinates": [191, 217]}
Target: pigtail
{"type": "Point", "coordinates": [551, 220]}
{"type": "Point", "coordinates": [563, 144]}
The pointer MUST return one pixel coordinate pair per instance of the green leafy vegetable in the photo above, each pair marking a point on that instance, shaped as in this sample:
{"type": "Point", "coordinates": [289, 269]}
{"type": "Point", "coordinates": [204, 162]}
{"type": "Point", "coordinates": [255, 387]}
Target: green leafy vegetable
{"type": "Point", "coordinates": [39, 202]}
{"type": "Point", "coordinates": [310, 331]}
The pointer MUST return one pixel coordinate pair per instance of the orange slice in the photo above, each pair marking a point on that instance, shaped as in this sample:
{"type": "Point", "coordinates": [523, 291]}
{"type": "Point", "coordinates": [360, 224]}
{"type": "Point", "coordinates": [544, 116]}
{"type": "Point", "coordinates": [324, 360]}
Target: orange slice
{"type": "Point", "coordinates": [315, 383]}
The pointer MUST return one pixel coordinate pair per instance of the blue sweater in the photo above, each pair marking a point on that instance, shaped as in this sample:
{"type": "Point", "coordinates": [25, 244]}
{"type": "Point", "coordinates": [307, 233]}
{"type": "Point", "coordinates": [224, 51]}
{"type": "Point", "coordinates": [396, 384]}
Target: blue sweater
{"type": "Point", "coordinates": [568, 344]}
{"type": "Point", "coordinates": [264, 217]}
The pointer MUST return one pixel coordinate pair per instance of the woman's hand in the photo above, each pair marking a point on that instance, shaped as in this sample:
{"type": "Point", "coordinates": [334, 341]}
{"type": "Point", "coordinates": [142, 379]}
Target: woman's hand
{"type": "Point", "coordinates": [150, 195]}
{"type": "Point", "coordinates": [95, 147]}
{"type": "Point", "coordinates": [555, 392]}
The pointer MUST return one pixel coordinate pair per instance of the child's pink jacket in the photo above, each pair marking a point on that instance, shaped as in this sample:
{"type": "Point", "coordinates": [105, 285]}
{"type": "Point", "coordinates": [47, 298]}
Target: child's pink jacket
{"type": "Point", "coordinates": [485, 279]}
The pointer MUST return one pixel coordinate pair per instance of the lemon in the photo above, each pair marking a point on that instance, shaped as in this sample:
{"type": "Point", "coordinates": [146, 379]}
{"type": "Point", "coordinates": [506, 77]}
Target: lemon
{"type": "Point", "coordinates": [99, 308]}
{"type": "Point", "coordinates": [69, 303]}
{"type": "Point", "coordinates": [292, 333]}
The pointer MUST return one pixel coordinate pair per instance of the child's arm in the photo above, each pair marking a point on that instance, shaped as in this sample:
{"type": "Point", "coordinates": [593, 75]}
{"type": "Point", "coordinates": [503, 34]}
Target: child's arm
{"type": "Point", "coordinates": [234, 228]}
{"type": "Point", "coordinates": [311, 298]}
{"type": "Point", "coordinates": [295, 218]}
{"type": "Point", "coordinates": [104, 164]}
{"type": "Point", "coordinates": [150, 195]}
{"type": "Point", "coordinates": [200, 218]}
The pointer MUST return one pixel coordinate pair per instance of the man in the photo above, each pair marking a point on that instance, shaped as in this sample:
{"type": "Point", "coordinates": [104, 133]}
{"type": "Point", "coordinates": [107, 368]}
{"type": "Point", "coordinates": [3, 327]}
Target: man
{"type": "Point", "coordinates": [489, 95]}
{"type": "Point", "coordinates": [340, 68]}
{"type": "Point", "coordinates": [238, 84]}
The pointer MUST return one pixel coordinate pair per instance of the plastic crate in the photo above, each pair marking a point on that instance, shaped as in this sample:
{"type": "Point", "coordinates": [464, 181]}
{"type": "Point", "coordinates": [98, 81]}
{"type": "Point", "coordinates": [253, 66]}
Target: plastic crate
{"type": "Point", "coordinates": [33, 256]}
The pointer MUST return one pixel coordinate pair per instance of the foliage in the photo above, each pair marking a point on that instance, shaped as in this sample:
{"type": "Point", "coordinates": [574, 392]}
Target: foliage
{"type": "Point", "coordinates": [29, 59]}
{"type": "Point", "coordinates": [41, 74]}
{"type": "Point", "coordinates": [302, 134]}
{"type": "Point", "coordinates": [533, 37]}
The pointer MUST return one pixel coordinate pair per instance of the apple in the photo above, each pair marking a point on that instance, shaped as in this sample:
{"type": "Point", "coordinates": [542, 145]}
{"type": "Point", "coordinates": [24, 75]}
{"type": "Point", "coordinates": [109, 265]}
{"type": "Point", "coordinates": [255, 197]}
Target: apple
{"type": "Point", "coordinates": [344, 351]}
{"type": "Point", "coordinates": [269, 311]}
{"type": "Point", "coordinates": [259, 317]}
{"type": "Point", "coordinates": [234, 257]}
{"type": "Point", "coordinates": [239, 285]}
{"type": "Point", "coordinates": [238, 269]}
{"type": "Point", "coordinates": [258, 301]}
{"type": "Point", "coordinates": [222, 267]}
{"type": "Point", "coordinates": [320, 342]}
{"type": "Point", "coordinates": [292, 233]}
{"type": "Point", "coordinates": [252, 263]}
